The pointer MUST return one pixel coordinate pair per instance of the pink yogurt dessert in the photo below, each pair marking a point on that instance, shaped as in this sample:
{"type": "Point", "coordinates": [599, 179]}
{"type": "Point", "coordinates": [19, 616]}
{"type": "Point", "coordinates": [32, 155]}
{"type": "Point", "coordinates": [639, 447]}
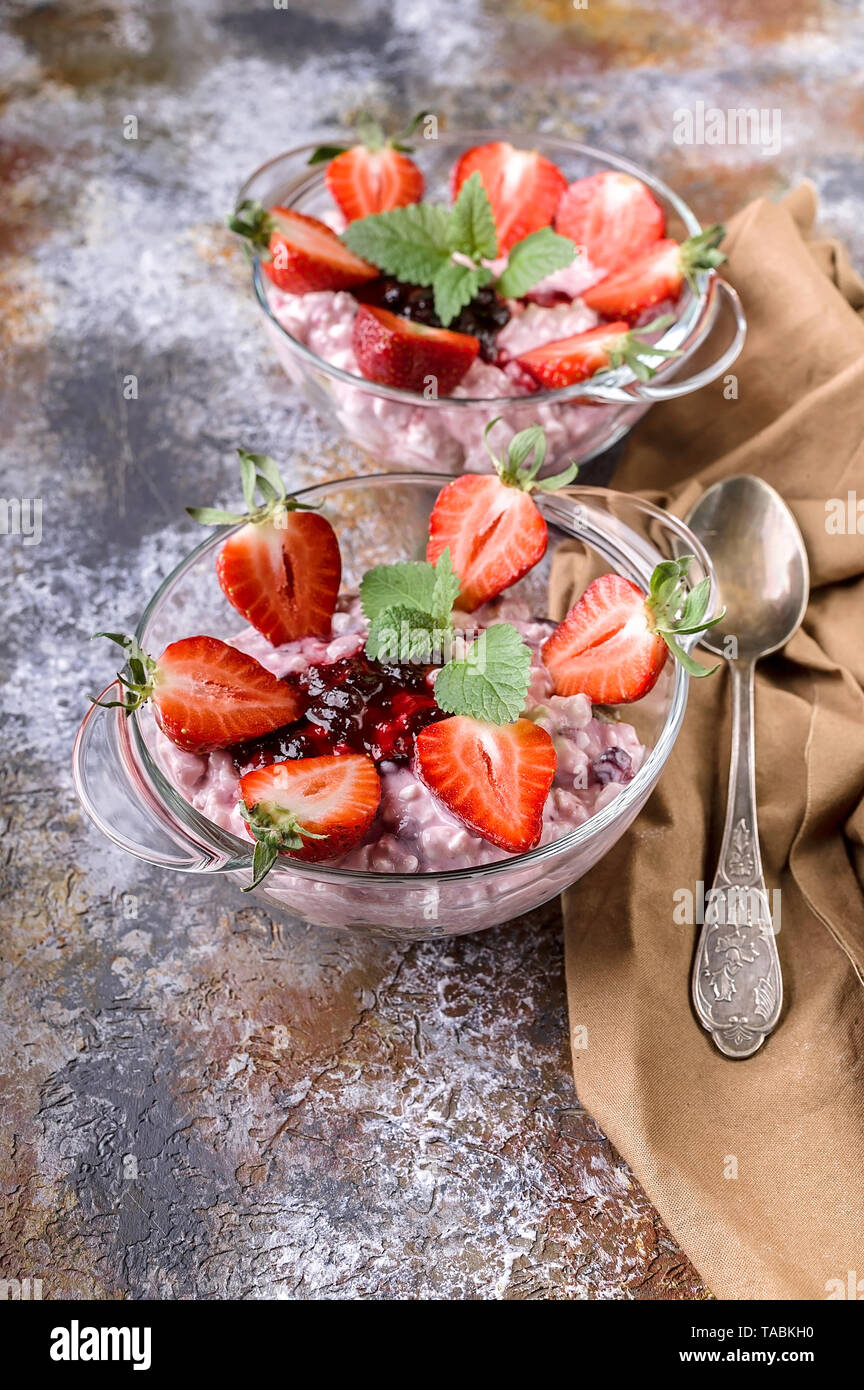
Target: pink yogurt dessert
{"type": "Point", "coordinates": [413, 832]}
{"type": "Point", "coordinates": [438, 438]}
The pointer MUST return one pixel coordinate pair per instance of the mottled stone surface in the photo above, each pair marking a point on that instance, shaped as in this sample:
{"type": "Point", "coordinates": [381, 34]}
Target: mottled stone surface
{"type": "Point", "coordinates": [307, 1115]}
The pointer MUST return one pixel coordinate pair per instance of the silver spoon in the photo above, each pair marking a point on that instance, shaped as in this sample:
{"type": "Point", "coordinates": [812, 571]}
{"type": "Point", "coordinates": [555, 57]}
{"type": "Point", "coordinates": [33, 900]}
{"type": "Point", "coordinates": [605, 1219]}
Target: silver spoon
{"type": "Point", "coordinates": [764, 581]}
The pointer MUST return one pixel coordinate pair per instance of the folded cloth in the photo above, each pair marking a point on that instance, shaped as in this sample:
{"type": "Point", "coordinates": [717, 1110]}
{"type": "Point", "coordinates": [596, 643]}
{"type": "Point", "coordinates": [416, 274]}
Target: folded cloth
{"type": "Point", "coordinates": [756, 1166]}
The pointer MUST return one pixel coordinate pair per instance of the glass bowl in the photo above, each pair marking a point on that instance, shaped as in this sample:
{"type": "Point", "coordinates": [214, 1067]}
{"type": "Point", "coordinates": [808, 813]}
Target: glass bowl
{"type": "Point", "coordinates": [380, 519]}
{"type": "Point", "coordinates": [401, 429]}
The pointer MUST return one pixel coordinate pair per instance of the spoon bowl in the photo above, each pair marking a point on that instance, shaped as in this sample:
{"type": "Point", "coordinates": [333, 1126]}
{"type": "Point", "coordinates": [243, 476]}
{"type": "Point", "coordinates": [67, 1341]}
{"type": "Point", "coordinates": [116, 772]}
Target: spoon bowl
{"type": "Point", "coordinates": [760, 563]}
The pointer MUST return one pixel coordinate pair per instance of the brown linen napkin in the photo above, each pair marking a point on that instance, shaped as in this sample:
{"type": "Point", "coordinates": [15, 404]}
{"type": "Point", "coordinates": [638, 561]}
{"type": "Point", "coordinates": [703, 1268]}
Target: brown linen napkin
{"type": "Point", "coordinates": [756, 1166]}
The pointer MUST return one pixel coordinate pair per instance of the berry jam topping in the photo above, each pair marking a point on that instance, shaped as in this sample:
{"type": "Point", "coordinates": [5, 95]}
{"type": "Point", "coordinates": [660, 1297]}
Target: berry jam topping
{"type": "Point", "coordinates": [613, 765]}
{"type": "Point", "coordinates": [484, 317]}
{"type": "Point", "coordinates": [355, 706]}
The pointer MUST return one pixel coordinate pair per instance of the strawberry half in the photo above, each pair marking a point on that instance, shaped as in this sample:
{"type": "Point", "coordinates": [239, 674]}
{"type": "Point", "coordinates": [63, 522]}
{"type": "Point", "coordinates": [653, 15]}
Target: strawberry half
{"type": "Point", "coordinates": [611, 216]}
{"type": "Point", "coordinates": [205, 694]}
{"type": "Point", "coordinates": [657, 275]}
{"type": "Point", "coordinates": [568, 360]}
{"type": "Point", "coordinates": [615, 640]}
{"type": "Point", "coordinates": [491, 523]}
{"type": "Point", "coordinates": [494, 777]}
{"type": "Point", "coordinates": [298, 253]}
{"type": "Point", "coordinates": [309, 808]}
{"type": "Point", "coordinates": [523, 187]}
{"type": "Point", "coordinates": [281, 570]}
{"type": "Point", "coordinates": [363, 180]}
{"type": "Point", "coordinates": [396, 351]}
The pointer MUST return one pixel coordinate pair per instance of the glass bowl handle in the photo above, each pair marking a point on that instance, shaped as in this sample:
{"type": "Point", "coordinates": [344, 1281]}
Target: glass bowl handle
{"type": "Point", "coordinates": [648, 391]}
{"type": "Point", "coordinates": [119, 803]}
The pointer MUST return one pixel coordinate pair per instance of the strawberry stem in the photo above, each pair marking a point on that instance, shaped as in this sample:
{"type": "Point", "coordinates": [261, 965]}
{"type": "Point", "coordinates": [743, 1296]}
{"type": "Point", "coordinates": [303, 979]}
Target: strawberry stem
{"type": "Point", "coordinates": [514, 468]}
{"type": "Point", "coordinates": [676, 611]}
{"type": "Point", "coordinates": [252, 221]}
{"type": "Point", "coordinates": [700, 252]}
{"type": "Point", "coordinates": [275, 829]}
{"type": "Point", "coordinates": [142, 669]}
{"type": "Point", "coordinates": [259, 475]}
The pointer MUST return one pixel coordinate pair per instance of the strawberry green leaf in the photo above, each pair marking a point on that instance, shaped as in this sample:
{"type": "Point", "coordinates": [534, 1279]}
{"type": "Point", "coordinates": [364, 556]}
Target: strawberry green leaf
{"type": "Point", "coordinates": [274, 829]}
{"type": "Point", "coordinates": [472, 224]}
{"type": "Point", "coordinates": [455, 286]}
{"type": "Point", "coordinates": [491, 681]}
{"type": "Point", "coordinates": [325, 153]}
{"type": "Point", "coordinates": [260, 474]}
{"type": "Point", "coordinates": [142, 669]}
{"type": "Point", "coordinates": [690, 666]}
{"type": "Point", "coordinates": [700, 252]}
{"type": "Point", "coordinates": [514, 469]}
{"type": "Point", "coordinates": [532, 259]}
{"type": "Point", "coordinates": [252, 221]}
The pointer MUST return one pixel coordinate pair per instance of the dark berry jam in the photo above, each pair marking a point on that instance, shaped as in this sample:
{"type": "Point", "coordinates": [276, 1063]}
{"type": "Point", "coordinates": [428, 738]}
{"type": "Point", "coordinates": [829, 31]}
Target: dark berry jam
{"type": "Point", "coordinates": [355, 706]}
{"type": "Point", "coordinates": [613, 765]}
{"type": "Point", "coordinates": [484, 317]}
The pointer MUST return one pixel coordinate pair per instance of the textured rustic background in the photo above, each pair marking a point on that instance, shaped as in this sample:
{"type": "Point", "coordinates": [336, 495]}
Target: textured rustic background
{"type": "Point", "coordinates": [308, 1115]}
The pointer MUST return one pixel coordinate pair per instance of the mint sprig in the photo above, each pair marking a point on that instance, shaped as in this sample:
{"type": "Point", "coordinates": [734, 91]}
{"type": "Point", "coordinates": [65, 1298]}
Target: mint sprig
{"type": "Point", "coordinates": [417, 584]}
{"type": "Point", "coordinates": [676, 611]}
{"type": "Point", "coordinates": [537, 255]}
{"type": "Point", "coordinates": [491, 681]}
{"type": "Point", "coordinates": [409, 607]}
{"type": "Point", "coordinates": [418, 244]}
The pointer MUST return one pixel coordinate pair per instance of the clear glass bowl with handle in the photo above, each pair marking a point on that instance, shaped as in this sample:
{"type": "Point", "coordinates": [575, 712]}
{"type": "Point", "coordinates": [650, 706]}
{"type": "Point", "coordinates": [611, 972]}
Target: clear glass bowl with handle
{"type": "Point", "coordinates": [402, 430]}
{"type": "Point", "coordinates": [380, 519]}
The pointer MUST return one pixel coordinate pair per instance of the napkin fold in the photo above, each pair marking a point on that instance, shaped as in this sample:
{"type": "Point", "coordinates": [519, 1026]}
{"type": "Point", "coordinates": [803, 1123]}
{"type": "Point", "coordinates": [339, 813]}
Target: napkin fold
{"type": "Point", "coordinates": [756, 1166]}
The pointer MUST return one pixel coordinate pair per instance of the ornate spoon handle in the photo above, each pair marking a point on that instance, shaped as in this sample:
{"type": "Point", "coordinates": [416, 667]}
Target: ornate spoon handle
{"type": "Point", "coordinates": [737, 985]}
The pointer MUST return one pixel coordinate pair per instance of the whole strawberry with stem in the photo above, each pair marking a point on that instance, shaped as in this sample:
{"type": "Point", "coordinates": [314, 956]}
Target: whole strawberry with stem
{"type": "Point", "coordinates": [281, 570]}
{"type": "Point", "coordinates": [373, 175]}
{"type": "Point", "coordinates": [490, 521]}
{"type": "Point", "coordinates": [616, 639]}
{"type": "Point", "coordinates": [205, 693]}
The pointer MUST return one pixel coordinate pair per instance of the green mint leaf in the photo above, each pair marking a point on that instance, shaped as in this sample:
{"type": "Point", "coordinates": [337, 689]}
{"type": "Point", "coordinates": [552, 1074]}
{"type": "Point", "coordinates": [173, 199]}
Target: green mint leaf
{"type": "Point", "coordinates": [491, 681]}
{"type": "Point", "coordinates": [532, 259]}
{"type": "Point", "coordinates": [409, 242]}
{"type": "Point", "coordinates": [410, 583]}
{"type": "Point", "coordinates": [455, 286]}
{"type": "Point", "coordinates": [446, 590]}
{"type": "Point", "coordinates": [404, 635]}
{"type": "Point", "coordinates": [472, 224]}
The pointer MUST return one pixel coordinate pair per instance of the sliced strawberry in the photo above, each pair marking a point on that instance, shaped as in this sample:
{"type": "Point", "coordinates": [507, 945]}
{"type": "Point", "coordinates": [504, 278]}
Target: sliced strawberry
{"type": "Point", "coordinates": [396, 351]}
{"type": "Point", "coordinates": [208, 695]}
{"type": "Point", "coordinates": [364, 181]}
{"type": "Point", "coordinates": [303, 254]}
{"type": "Point", "coordinates": [205, 694]}
{"type": "Point", "coordinates": [606, 648]}
{"type": "Point", "coordinates": [494, 777]}
{"type": "Point", "coordinates": [657, 275]}
{"type": "Point", "coordinates": [282, 570]}
{"type": "Point", "coordinates": [523, 188]}
{"type": "Point", "coordinates": [283, 575]}
{"type": "Point", "coordinates": [309, 808]}
{"type": "Point", "coordinates": [568, 360]}
{"type": "Point", "coordinates": [614, 642]}
{"type": "Point", "coordinates": [611, 216]}
{"type": "Point", "coordinates": [491, 524]}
